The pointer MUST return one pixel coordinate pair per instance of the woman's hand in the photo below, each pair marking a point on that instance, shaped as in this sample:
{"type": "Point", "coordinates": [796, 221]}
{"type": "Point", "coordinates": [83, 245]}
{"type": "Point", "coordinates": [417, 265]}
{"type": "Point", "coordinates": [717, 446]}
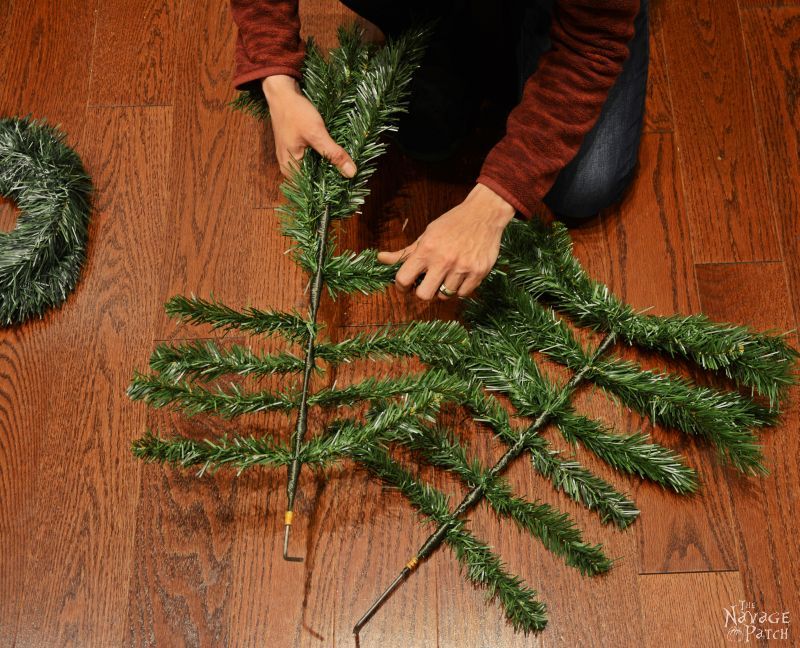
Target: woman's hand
{"type": "Point", "coordinates": [458, 249]}
{"type": "Point", "coordinates": [296, 124]}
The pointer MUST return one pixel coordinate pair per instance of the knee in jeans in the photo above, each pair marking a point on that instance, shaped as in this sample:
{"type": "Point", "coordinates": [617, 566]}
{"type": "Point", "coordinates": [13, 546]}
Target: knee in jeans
{"type": "Point", "coordinates": [590, 192]}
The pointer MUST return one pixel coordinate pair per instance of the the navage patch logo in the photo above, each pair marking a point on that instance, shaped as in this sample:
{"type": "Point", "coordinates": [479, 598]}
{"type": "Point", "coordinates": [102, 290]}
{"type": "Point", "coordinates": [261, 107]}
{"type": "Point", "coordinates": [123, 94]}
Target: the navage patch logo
{"type": "Point", "coordinates": [744, 623]}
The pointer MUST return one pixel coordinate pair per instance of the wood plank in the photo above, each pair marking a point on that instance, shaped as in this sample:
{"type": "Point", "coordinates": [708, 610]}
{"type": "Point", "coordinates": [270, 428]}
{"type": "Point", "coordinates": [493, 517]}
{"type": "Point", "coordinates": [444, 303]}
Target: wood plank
{"type": "Point", "coordinates": [728, 199]}
{"type": "Point", "coordinates": [658, 104]}
{"type": "Point", "coordinates": [80, 548]}
{"type": "Point", "coordinates": [765, 509]}
{"type": "Point", "coordinates": [181, 584]}
{"type": "Point", "coordinates": [772, 37]}
{"type": "Point", "coordinates": [746, 5]}
{"type": "Point", "coordinates": [650, 260]}
{"type": "Point", "coordinates": [134, 54]}
{"type": "Point", "coordinates": [688, 609]}
{"type": "Point", "coordinates": [48, 35]}
{"type": "Point", "coordinates": [34, 39]}
{"type": "Point", "coordinates": [218, 246]}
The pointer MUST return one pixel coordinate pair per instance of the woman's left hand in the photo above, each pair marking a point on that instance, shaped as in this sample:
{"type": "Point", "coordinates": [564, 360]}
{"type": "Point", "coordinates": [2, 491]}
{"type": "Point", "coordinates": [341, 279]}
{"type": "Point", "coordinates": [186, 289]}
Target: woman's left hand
{"type": "Point", "coordinates": [458, 249]}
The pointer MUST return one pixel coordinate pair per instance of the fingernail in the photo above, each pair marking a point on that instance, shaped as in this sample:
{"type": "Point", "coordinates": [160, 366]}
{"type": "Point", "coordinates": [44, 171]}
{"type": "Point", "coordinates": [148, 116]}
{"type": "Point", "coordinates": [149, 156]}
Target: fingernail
{"type": "Point", "coordinates": [349, 169]}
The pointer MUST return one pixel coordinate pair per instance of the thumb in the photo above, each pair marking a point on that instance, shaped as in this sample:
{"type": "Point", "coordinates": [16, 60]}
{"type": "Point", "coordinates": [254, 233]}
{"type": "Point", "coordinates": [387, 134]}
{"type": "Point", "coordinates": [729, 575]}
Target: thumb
{"type": "Point", "coordinates": [323, 144]}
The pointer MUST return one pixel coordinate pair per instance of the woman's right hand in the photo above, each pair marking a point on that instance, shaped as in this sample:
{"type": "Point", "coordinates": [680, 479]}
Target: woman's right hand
{"type": "Point", "coordinates": [296, 124]}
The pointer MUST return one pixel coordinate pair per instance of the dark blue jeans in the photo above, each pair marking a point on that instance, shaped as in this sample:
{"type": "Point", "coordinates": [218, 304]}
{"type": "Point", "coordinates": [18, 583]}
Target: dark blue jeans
{"type": "Point", "coordinates": [607, 159]}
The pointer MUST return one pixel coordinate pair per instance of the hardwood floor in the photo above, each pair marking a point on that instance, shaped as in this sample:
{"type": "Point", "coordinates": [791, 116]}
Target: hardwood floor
{"type": "Point", "coordinates": [97, 549]}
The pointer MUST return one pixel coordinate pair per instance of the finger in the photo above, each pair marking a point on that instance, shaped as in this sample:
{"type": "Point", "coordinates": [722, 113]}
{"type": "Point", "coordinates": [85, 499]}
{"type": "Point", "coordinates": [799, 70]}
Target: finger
{"type": "Point", "coordinates": [393, 257]}
{"type": "Point", "coordinates": [323, 144]}
{"type": "Point", "coordinates": [430, 285]}
{"type": "Point", "coordinates": [407, 274]}
{"type": "Point", "coordinates": [470, 283]}
{"type": "Point", "coordinates": [453, 282]}
{"type": "Point", "coordinates": [290, 162]}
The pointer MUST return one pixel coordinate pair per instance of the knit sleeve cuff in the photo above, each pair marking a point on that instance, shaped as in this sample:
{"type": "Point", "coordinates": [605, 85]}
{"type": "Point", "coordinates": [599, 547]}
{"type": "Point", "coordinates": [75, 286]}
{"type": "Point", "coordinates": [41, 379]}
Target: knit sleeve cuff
{"type": "Point", "coordinates": [505, 194]}
{"type": "Point", "coordinates": [244, 78]}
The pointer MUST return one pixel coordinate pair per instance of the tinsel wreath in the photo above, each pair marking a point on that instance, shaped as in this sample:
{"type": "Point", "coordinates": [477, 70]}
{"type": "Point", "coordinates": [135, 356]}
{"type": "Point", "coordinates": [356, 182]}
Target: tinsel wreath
{"type": "Point", "coordinates": [41, 258]}
{"type": "Point", "coordinates": [488, 367]}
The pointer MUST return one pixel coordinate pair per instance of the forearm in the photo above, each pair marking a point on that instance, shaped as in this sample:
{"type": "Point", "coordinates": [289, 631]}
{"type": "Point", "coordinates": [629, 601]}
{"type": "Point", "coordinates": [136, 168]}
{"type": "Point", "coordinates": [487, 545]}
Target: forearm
{"type": "Point", "coordinates": [268, 40]}
{"type": "Point", "coordinates": [561, 100]}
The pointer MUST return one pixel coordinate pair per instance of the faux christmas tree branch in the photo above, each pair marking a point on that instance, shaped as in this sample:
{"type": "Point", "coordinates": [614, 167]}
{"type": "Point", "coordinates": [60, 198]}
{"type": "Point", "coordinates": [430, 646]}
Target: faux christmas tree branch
{"type": "Point", "coordinates": [208, 360]}
{"type": "Point", "coordinates": [301, 426]}
{"type": "Point", "coordinates": [159, 390]}
{"type": "Point", "coordinates": [555, 529]}
{"type": "Point", "coordinates": [194, 310]}
{"type": "Point", "coordinates": [477, 493]}
{"type": "Point", "coordinates": [568, 476]}
{"type": "Point", "coordinates": [540, 261]}
{"type": "Point", "coordinates": [359, 97]}
{"type": "Point", "coordinates": [479, 564]}
{"type": "Point", "coordinates": [726, 418]}
{"type": "Point", "coordinates": [337, 442]}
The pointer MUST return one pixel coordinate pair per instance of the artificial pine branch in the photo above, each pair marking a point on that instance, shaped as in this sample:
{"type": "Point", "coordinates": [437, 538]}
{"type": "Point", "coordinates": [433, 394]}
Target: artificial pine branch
{"type": "Point", "coordinates": [419, 338]}
{"type": "Point", "coordinates": [237, 452]}
{"type": "Point", "coordinates": [478, 491]}
{"type": "Point", "coordinates": [555, 529]}
{"type": "Point", "coordinates": [568, 476]}
{"type": "Point", "coordinates": [726, 418]}
{"type": "Point", "coordinates": [630, 453]}
{"type": "Point", "coordinates": [478, 562]}
{"type": "Point", "coordinates": [158, 390]}
{"type": "Point", "coordinates": [195, 310]}
{"type": "Point", "coordinates": [540, 260]}
{"type": "Point", "coordinates": [503, 364]}
{"type": "Point", "coordinates": [208, 360]}
{"type": "Point", "coordinates": [360, 96]}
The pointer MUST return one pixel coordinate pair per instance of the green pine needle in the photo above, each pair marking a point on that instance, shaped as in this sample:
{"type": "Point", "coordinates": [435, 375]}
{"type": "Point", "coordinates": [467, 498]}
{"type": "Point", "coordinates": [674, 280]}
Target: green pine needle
{"type": "Point", "coordinates": [480, 565]}
{"type": "Point", "coordinates": [539, 259]}
{"type": "Point", "coordinates": [195, 310]}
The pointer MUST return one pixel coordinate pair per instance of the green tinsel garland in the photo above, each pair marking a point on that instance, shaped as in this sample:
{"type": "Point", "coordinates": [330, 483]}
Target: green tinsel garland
{"type": "Point", "coordinates": [41, 258]}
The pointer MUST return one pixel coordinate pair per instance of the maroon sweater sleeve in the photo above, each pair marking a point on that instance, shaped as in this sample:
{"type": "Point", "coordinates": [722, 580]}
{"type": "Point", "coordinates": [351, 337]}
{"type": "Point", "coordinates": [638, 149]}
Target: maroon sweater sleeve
{"type": "Point", "coordinates": [268, 41]}
{"type": "Point", "coordinates": [561, 100]}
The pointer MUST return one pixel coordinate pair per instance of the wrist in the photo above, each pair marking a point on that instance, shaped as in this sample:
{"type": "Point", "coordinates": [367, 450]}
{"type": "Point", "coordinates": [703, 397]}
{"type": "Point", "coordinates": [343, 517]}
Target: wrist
{"type": "Point", "coordinates": [276, 86]}
{"type": "Point", "coordinates": [496, 208]}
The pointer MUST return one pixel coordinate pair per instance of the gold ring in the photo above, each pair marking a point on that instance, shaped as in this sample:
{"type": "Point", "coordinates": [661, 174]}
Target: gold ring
{"type": "Point", "coordinates": [446, 291]}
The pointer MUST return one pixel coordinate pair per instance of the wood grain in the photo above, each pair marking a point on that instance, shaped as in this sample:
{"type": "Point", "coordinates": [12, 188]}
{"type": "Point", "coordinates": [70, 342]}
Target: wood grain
{"type": "Point", "coordinates": [33, 37]}
{"type": "Point", "coordinates": [80, 548]}
{"type": "Point", "coordinates": [728, 200]}
{"type": "Point", "coordinates": [97, 549]}
{"type": "Point", "coordinates": [181, 583]}
{"type": "Point", "coordinates": [772, 38]}
{"type": "Point", "coordinates": [651, 266]}
{"type": "Point", "coordinates": [765, 510]}
{"type": "Point", "coordinates": [658, 104]}
{"type": "Point", "coordinates": [671, 620]}
{"type": "Point", "coordinates": [47, 63]}
{"type": "Point", "coordinates": [133, 61]}
{"type": "Point", "coordinates": [220, 246]}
